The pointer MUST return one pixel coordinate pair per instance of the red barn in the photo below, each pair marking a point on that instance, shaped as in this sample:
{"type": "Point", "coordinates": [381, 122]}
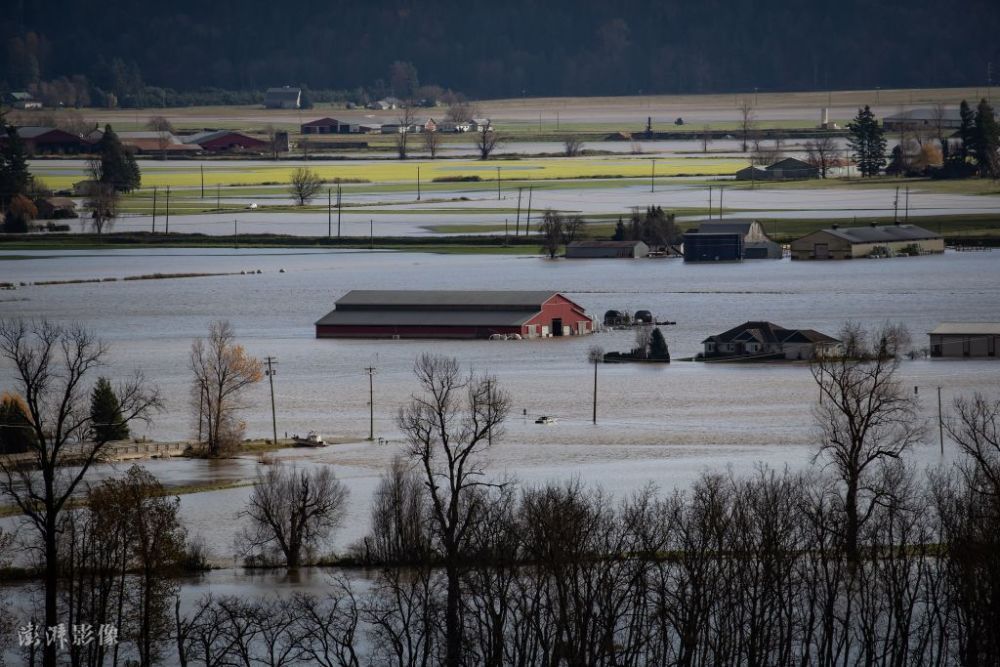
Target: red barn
{"type": "Point", "coordinates": [226, 141]}
{"type": "Point", "coordinates": [453, 314]}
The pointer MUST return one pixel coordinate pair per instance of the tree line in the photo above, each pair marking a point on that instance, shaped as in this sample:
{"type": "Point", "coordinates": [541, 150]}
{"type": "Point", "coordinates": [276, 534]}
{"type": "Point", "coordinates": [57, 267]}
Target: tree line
{"type": "Point", "coordinates": [561, 48]}
{"type": "Point", "coordinates": [859, 559]}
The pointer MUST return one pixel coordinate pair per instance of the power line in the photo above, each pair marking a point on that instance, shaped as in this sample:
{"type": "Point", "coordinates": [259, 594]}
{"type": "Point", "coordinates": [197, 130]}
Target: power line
{"type": "Point", "coordinates": [270, 373]}
{"type": "Point", "coordinates": [371, 402]}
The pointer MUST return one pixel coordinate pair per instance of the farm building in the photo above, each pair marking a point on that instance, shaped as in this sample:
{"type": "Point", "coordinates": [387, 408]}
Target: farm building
{"type": "Point", "coordinates": [226, 141]}
{"type": "Point", "coordinates": [50, 140]}
{"type": "Point", "coordinates": [965, 339]}
{"type": "Point", "coordinates": [729, 241]}
{"type": "Point", "coordinates": [768, 340]}
{"type": "Point", "coordinates": [873, 240]}
{"type": "Point", "coordinates": [783, 170]}
{"type": "Point", "coordinates": [155, 142]}
{"type": "Point", "coordinates": [924, 118]}
{"type": "Point", "coordinates": [325, 126]}
{"type": "Point", "coordinates": [22, 100]}
{"type": "Point", "coordinates": [453, 314]}
{"type": "Point", "coordinates": [56, 208]}
{"type": "Point", "coordinates": [283, 98]}
{"type": "Point", "coordinates": [621, 249]}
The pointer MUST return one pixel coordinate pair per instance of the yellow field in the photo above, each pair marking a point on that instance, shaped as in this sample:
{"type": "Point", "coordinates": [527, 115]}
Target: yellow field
{"type": "Point", "coordinates": [57, 176]}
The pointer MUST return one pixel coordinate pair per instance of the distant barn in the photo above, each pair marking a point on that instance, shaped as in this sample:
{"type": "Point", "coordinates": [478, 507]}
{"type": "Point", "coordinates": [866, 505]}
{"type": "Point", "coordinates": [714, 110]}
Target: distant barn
{"type": "Point", "coordinates": [283, 98]}
{"type": "Point", "coordinates": [615, 249]}
{"type": "Point", "coordinates": [729, 241]}
{"type": "Point", "coordinates": [453, 314]}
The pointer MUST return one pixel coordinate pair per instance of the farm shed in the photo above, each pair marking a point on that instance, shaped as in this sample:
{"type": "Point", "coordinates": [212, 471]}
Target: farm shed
{"type": "Point", "coordinates": [610, 249]}
{"type": "Point", "coordinates": [853, 242]}
{"type": "Point", "coordinates": [283, 98]}
{"type": "Point", "coordinates": [965, 339]}
{"type": "Point", "coordinates": [453, 314]}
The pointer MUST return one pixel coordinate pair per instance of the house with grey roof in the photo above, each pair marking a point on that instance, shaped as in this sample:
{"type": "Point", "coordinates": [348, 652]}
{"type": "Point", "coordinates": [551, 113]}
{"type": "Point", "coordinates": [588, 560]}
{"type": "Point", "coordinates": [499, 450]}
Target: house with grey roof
{"type": "Point", "coordinates": [285, 97]}
{"type": "Point", "coordinates": [870, 241]}
{"type": "Point", "coordinates": [453, 314]}
{"type": "Point", "coordinates": [786, 169]}
{"type": "Point", "coordinates": [766, 341]}
{"type": "Point", "coordinates": [924, 118]}
{"type": "Point", "coordinates": [965, 339]}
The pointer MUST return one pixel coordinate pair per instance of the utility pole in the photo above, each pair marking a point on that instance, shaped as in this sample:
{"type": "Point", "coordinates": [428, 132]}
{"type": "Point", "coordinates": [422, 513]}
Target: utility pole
{"type": "Point", "coordinates": [371, 402]}
{"type": "Point", "coordinates": [652, 177]}
{"type": "Point", "coordinates": [907, 203]}
{"type": "Point", "coordinates": [940, 422]}
{"type": "Point", "coordinates": [202, 181]}
{"type": "Point", "coordinates": [527, 220]}
{"type": "Point", "coordinates": [710, 202]}
{"type": "Point", "coordinates": [371, 232]}
{"type": "Point", "coordinates": [506, 231]}
{"type": "Point", "coordinates": [595, 390]}
{"type": "Point", "coordinates": [154, 209]}
{"type": "Point", "coordinates": [329, 212]}
{"type": "Point", "coordinates": [895, 207]}
{"type": "Point", "coordinates": [722, 189]}
{"type": "Point", "coordinates": [498, 183]}
{"type": "Point", "coordinates": [517, 222]}
{"type": "Point", "coordinates": [418, 182]}
{"type": "Point", "coordinates": [218, 197]}
{"type": "Point", "coordinates": [168, 211]}
{"type": "Point", "coordinates": [236, 234]}
{"type": "Point", "coordinates": [338, 209]}
{"type": "Point", "coordinates": [270, 372]}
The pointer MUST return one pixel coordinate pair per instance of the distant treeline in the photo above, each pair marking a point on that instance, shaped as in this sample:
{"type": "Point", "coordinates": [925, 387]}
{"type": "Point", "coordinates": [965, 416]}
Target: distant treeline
{"type": "Point", "coordinates": [498, 49]}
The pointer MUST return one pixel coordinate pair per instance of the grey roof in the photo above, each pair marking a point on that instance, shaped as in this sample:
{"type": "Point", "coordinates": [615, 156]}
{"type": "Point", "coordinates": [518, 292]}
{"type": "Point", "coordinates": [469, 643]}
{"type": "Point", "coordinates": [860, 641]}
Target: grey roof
{"type": "Point", "coordinates": [770, 333]}
{"type": "Point", "coordinates": [284, 93]}
{"type": "Point", "coordinates": [605, 244]}
{"type": "Point", "coordinates": [444, 298]}
{"type": "Point", "coordinates": [32, 131]}
{"type": "Point", "coordinates": [209, 135]}
{"type": "Point", "coordinates": [405, 318]}
{"type": "Point", "coordinates": [926, 114]}
{"type": "Point", "coordinates": [882, 233]}
{"type": "Point", "coordinates": [790, 163]}
{"type": "Point", "coordinates": [727, 227]}
{"type": "Point", "coordinates": [968, 328]}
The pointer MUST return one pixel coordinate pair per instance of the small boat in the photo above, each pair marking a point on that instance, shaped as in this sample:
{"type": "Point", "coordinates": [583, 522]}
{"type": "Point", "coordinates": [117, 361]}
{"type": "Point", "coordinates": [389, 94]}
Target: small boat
{"type": "Point", "coordinates": [313, 439]}
{"type": "Point", "coordinates": [546, 419]}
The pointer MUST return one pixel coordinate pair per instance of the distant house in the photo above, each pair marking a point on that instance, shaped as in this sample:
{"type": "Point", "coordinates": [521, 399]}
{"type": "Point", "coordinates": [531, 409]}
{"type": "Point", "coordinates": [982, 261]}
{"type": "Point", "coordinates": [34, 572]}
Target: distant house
{"type": "Point", "coordinates": [787, 169]}
{"type": "Point", "coordinates": [386, 104]}
{"type": "Point", "coordinates": [370, 128]}
{"type": "Point", "coordinates": [453, 126]}
{"type": "Point", "coordinates": [283, 98]}
{"type": "Point", "coordinates": [392, 128]}
{"type": "Point", "coordinates": [925, 118]}
{"type": "Point", "coordinates": [606, 249]}
{"type": "Point", "coordinates": [50, 141]}
{"type": "Point", "coordinates": [480, 124]}
{"type": "Point", "coordinates": [220, 141]}
{"type": "Point", "coordinates": [729, 241]}
{"type": "Point", "coordinates": [22, 100]}
{"type": "Point", "coordinates": [873, 240]}
{"type": "Point", "coordinates": [766, 340]}
{"type": "Point", "coordinates": [430, 125]}
{"type": "Point", "coordinates": [453, 314]}
{"type": "Point", "coordinates": [325, 126]}
{"type": "Point", "coordinates": [965, 339]}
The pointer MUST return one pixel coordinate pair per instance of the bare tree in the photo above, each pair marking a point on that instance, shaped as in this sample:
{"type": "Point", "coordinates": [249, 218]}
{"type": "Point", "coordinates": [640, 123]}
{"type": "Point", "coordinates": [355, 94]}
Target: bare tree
{"type": "Point", "coordinates": [101, 200]}
{"type": "Point", "coordinates": [51, 366]}
{"type": "Point", "coordinates": [403, 136]}
{"type": "Point", "coordinates": [747, 123]}
{"type": "Point", "coordinates": [573, 228]}
{"type": "Point", "coordinates": [328, 628]}
{"type": "Point", "coordinates": [572, 145]}
{"type": "Point", "coordinates": [487, 140]}
{"type": "Point", "coordinates": [222, 371]}
{"type": "Point", "coordinates": [821, 153]}
{"type": "Point", "coordinates": [432, 142]}
{"type": "Point", "coordinates": [865, 417]}
{"type": "Point", "coordinates": [292, 511]}
{"type": "Point", "coordinates": [977, 432]}
{"type": "Point", "coordinates": [399, 519]}
{"type": "Point", "coordinates": [304, 185]}
{"type": "Point", "coordinates": [447, 427]}
{"type": "Point", "coordinates": [461, 111]}
{"type": "Point", "coordinates": [164, 130]}
{"type": "Point", "coordinates": [551, 231]}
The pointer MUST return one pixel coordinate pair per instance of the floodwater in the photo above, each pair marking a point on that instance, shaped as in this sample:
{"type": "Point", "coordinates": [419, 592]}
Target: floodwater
{"type": "Point", "coordinates": [663, 425]}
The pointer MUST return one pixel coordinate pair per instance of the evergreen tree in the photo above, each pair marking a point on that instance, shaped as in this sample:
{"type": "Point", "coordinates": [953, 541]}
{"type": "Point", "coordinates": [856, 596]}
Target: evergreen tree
{"type": "Point", "coordinates": [658, 345]}
{"type": "Point", "coordinates": [965, 131]}
{"type": "Point", "coordinates": [985, 141]}
{"type": "Point", "coordinates": [14, 176]}
{"type": "Point", "coordinates": [118, 167]}
{"type": "Point", "coordinates": [867, 142]}
{"type": "Point", "coordinates": [16, 431]}
{"type": "Point", "coordinates": [619, 231]}
{"type": "Point", "coordinates": [106, 413]}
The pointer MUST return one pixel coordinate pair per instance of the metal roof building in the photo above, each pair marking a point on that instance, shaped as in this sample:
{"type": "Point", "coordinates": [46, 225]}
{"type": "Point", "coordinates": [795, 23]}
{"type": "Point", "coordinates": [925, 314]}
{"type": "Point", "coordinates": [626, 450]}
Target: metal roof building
{"type": "Point", "coordinates": [965, 339]}
{"type": "Point", "coordinates": [452, 314]}
{"type": "Point", "coordinates": [615, 249]}
{"type": "Point", "coordinates": [853, 242]}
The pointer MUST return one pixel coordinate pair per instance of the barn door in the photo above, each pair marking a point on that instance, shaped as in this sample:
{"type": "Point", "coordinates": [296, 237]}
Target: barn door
{"type": "Point", "coordinates": [557, 327]}
{"type": "Point", "coordinates": [821, 251]}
